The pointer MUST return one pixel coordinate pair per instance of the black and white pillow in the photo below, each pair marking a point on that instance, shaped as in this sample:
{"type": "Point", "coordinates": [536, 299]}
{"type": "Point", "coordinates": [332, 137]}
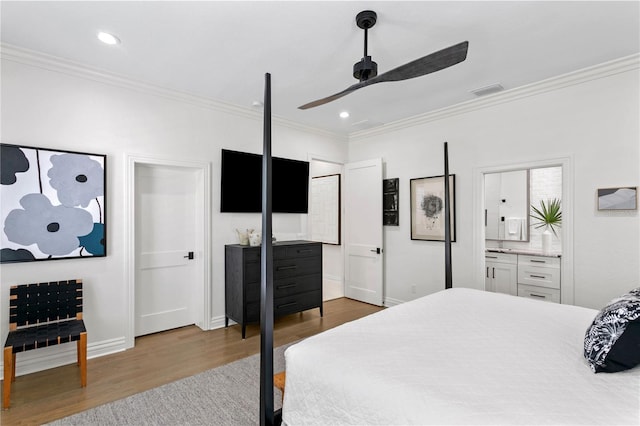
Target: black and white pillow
{"type": "Point", "coordinates": [612, 342]}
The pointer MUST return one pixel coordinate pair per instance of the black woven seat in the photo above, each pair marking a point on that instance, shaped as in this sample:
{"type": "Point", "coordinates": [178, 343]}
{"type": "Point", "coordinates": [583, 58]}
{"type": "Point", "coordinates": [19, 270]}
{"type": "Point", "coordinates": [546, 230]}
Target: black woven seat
{"type": "Point", "coordinates": [41, 315]}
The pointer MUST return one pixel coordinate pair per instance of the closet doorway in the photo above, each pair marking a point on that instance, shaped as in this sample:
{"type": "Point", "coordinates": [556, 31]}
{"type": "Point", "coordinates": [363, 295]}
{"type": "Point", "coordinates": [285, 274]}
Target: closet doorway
{"type": "Point", "coordinates": [168, 238]}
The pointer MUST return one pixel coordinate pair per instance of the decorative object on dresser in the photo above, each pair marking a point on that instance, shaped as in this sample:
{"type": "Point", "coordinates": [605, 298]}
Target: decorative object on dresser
{"type": "Point", "coordinates": [53, 204]}
{"type": "Point", "coordinates": [41, 315]}
{"type": "Point", "coordinates": [297, 280]}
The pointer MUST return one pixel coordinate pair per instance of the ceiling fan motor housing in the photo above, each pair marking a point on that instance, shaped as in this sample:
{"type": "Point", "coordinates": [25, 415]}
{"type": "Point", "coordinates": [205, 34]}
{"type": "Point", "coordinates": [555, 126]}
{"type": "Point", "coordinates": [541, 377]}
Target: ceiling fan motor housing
{"type": "Point", "coordinates": [365, 69]}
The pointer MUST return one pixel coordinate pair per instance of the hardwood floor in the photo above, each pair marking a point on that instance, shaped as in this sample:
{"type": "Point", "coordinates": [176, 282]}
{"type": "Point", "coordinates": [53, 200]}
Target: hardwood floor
{"type": "Point", "coordinates": [158, 359]}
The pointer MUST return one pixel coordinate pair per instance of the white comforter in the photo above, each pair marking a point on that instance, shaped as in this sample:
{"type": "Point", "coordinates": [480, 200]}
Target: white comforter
{"type": "Point", "coordinates": [458, 356]}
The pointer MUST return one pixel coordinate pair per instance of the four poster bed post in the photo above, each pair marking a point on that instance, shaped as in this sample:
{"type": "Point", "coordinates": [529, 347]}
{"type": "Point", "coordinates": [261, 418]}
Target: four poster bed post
{"type": "Point", "coordinates": [267, 415]}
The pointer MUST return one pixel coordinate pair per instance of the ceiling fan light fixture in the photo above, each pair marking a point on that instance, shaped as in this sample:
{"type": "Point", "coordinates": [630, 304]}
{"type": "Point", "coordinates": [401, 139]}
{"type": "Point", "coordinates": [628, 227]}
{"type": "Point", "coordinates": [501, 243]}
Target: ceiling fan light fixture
{"type": "Point", "coordinates": [108, 38]}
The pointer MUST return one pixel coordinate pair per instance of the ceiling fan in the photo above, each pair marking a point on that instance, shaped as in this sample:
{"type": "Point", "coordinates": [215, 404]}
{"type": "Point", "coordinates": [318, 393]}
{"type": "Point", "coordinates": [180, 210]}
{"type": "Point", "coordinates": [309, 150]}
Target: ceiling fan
{"type": "Point", "coordinates": [367, 70]}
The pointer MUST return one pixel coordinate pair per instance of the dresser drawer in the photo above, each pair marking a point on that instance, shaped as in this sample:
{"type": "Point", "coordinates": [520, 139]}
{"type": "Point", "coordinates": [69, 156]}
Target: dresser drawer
{"type": "Point", "coordinates": [542, 276]}
{"type": "Point", "coordinates": [284, 268]}
{"type": "Point", "coordinates": [297, 303]}
{"type": "Point", "coordinates": [539, 293]}
{"type": "Point", "coordinates": [551, 262]}
{"type": "Point", "coordinates": [297, 251]}
{"type": "Point", "coordinates": [501, 258]}
{"type": "Point", "coordinates": [294, 285]}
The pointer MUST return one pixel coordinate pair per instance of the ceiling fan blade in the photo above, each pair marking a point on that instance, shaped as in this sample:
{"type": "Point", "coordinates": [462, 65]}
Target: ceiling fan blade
{"type": "Point", "coordinates": [335, 96]}
{"type": "Point", "coordinates": [427, 64]}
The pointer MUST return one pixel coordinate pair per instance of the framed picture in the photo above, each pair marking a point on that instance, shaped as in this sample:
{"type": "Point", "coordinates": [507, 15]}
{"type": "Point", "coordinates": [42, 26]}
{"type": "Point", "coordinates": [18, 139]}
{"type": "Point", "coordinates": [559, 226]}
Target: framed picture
{"type": "Point", "coordinates": [623, 198]}
{"type": "Point", "coordinates": [427, 208]}
{"type": "Point", "coordinates": [53, 204]}
{"type": "Point", "coordinates": [390, 209]}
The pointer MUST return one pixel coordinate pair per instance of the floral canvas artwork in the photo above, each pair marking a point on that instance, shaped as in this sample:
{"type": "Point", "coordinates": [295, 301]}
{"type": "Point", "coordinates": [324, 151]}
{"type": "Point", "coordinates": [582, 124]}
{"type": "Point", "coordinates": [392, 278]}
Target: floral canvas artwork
{"type": "Point", "coordinates": [52, 204]}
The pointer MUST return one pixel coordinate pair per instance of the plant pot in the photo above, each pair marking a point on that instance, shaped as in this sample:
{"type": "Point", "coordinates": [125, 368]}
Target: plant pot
{"type": "Point", "coordinates": [547, 237]}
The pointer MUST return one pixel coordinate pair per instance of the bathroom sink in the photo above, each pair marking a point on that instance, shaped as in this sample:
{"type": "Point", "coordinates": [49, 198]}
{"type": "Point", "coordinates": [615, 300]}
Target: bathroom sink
{"type": "Point", "coordinates": [499, 250]}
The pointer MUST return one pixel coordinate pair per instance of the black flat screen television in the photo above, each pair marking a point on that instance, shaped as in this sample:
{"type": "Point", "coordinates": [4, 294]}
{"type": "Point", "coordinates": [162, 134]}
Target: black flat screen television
{"type": "Point", "coordinates": [241, 184]}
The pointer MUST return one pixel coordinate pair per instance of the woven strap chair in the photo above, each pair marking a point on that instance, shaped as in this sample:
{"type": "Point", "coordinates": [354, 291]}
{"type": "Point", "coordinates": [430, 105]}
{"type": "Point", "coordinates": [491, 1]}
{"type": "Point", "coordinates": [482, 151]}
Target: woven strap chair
{"type": "Point", "coordinates": [41, 315]}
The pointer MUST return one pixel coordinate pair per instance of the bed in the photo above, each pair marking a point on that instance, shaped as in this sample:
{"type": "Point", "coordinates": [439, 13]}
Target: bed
{"type": "Point", "coordinates": [459, 356]}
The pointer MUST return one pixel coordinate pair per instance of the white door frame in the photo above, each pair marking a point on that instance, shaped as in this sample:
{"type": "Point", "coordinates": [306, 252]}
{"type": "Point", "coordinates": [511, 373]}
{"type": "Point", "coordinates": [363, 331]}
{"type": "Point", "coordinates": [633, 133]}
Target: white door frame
{"type": "Point", "coordinates": [567, 287]}
{"type": "Point", "coordinates": [203, 190]}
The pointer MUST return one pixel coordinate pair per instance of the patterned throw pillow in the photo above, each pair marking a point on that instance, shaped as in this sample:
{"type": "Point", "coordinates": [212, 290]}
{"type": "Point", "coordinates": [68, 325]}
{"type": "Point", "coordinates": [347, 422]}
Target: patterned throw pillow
{"type": "Point", "coordinates": [612, 342]}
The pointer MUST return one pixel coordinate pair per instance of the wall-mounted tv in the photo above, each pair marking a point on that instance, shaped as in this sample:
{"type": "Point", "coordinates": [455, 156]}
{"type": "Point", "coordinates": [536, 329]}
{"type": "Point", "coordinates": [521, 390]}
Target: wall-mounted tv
{"type": "Point", "coordinates": [241, 184]}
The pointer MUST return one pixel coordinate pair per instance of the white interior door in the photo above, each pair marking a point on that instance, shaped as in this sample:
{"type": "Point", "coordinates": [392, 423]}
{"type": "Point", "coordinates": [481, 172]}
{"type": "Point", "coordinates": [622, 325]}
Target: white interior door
{"type": "Point", "coordinates": [363, 231]}
{"type": "Point", "coordinates": [166, 284]}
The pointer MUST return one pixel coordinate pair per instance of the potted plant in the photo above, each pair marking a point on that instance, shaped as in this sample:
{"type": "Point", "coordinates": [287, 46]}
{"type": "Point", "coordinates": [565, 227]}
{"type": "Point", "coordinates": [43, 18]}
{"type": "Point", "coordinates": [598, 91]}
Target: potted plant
{"type": "Point", "coordinates": [549, 216]}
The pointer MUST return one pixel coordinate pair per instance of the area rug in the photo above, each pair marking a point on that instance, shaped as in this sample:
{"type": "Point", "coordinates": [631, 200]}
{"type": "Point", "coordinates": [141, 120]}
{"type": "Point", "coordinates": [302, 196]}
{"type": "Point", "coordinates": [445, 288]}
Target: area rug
{"type": "Point", "coordinates": [226, 395]}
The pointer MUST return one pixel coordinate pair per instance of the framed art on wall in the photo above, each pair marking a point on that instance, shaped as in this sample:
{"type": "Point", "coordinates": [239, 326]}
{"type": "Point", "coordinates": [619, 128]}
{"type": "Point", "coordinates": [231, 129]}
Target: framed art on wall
{"type": "Point", "coordinates": [390, 202]}
{"type": "Point", "coordinates": [618, 198]}
{"type": "Point", "coordinates": [427, 208]}
{"type": "Point", "coordinates": [53, 204]}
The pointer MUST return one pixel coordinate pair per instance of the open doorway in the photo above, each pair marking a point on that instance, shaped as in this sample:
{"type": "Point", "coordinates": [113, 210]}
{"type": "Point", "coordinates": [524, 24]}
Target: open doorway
{"type": "Point", "coordinates": [168, 241]}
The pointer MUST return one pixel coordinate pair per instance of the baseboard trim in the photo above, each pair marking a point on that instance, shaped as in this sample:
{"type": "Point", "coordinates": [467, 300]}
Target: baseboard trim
{"type": "Point", "coordinates": [218, 322]}
{"type": "Point", "coordinates": [390, 301]}
{"type": "Point", "coordinates": [59, 355]}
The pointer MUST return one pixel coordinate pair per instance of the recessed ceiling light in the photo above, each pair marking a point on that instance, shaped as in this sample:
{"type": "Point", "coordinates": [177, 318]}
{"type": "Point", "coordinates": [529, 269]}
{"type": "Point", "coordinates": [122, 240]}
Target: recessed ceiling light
{"type": "Point", "coordinates": [107, 38]}
{"type": "Point", "coordinates": [344, 114]}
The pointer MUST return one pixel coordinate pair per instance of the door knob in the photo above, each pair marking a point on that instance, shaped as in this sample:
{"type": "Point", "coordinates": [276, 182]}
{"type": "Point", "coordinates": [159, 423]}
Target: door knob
{"type": "Point", "coordinates": [189, 256]}
{"type": "Point", "coordinates": [377, 250]}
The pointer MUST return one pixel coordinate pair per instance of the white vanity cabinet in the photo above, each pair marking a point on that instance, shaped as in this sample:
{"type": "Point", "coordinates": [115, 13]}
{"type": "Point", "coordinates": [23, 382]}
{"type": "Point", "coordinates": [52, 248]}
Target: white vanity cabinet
{"type": "Point", "coordinates": [539, 277]}
{"type": "Point", "coordinates": [501, 273]}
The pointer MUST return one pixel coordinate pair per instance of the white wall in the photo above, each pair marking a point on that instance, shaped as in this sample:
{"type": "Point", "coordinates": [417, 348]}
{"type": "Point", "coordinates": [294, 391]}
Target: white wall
{"type": "Point", "coordinates": [48, 105]}
{"type": "Point", "coordinates": [591, 117]}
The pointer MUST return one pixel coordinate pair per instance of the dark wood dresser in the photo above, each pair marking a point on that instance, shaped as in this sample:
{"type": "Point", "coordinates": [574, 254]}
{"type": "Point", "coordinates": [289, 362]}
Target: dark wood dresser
{"type": "Point", "coordinates": [297, 280]}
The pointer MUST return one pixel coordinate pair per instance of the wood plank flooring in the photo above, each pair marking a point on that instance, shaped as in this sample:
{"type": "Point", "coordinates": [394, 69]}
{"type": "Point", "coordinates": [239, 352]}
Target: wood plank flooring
{"type": "Point", "coordinates": [158, 359]}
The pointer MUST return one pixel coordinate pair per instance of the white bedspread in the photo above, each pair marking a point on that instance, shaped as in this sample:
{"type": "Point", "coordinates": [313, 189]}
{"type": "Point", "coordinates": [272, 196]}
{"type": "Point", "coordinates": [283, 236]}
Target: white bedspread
{"type": "Point", "coordinates": [459, 356]}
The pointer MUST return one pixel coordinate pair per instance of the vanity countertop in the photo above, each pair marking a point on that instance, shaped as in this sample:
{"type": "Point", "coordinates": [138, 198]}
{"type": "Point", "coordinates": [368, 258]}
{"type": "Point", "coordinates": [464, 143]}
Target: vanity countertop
{"type": "Point", "coordinates": [528, 252]}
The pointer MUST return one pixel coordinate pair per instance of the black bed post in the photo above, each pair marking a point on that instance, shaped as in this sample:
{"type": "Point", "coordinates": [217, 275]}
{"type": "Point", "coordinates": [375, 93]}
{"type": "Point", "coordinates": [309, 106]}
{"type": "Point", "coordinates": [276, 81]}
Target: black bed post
{"type": "Point", "coordinates": [266, 273]}
{"type": "Point", "coordinates": [447, 222]}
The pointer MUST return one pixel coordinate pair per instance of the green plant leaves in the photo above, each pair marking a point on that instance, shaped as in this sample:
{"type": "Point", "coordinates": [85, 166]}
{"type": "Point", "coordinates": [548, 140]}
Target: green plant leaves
{"type": "Point", "coordinates": [549, 214]}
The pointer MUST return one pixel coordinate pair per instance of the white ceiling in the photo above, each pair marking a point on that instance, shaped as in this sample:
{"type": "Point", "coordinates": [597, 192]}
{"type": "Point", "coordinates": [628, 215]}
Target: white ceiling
{"type": "Point", "coordinates": [221, 50]}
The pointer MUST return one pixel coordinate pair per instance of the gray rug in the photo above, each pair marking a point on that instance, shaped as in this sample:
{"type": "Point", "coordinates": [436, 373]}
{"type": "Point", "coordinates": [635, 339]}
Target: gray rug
{"type": "Point", "coordinates": [227, 395]}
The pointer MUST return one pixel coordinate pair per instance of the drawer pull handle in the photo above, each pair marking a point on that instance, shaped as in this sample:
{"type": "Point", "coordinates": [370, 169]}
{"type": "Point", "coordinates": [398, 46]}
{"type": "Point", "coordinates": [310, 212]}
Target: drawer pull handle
{"type": "Point", "coordinates": [284, 268]}
{"type": "Point", "coordinates": [286, 305]}
{"type": "Point", "coordinates": [305, 251]}
{"type": "Point", "coordinates": [537, 295]}
{"type": "Point", "coordinates": [281, 287]}
{"type": "Point", "coordinates": [537, 276]}
{"type": "Point", "coordinates": [538, 261]}
{"type": "Point", "coordinates": [491, 257]}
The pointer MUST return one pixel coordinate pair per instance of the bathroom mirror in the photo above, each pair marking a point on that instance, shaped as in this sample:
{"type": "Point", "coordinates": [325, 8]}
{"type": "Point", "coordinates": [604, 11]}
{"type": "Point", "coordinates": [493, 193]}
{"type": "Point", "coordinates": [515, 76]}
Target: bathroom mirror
{"type": "Point", "coordinates": [506, 214]}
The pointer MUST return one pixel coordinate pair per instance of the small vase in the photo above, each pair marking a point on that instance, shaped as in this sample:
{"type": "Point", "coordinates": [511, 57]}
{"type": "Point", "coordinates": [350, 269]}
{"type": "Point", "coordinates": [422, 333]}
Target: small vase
{"type": "Point", "coordinates": [547, 237]}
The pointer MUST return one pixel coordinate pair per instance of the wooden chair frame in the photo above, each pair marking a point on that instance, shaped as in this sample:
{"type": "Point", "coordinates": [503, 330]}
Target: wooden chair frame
{"type": "Point", "coordinates": [41, 315]}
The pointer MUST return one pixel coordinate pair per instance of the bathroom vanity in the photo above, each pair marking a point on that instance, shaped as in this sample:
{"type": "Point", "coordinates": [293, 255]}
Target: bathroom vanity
{"type": "Point", "coordinates": [524, 273]}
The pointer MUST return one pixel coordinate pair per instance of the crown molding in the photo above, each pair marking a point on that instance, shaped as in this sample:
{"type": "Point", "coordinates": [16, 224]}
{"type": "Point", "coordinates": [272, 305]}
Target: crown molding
{"type": "Point", "coordinates": [606, 69]}
{"type": "Point", "coordinates": [65, 66]}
